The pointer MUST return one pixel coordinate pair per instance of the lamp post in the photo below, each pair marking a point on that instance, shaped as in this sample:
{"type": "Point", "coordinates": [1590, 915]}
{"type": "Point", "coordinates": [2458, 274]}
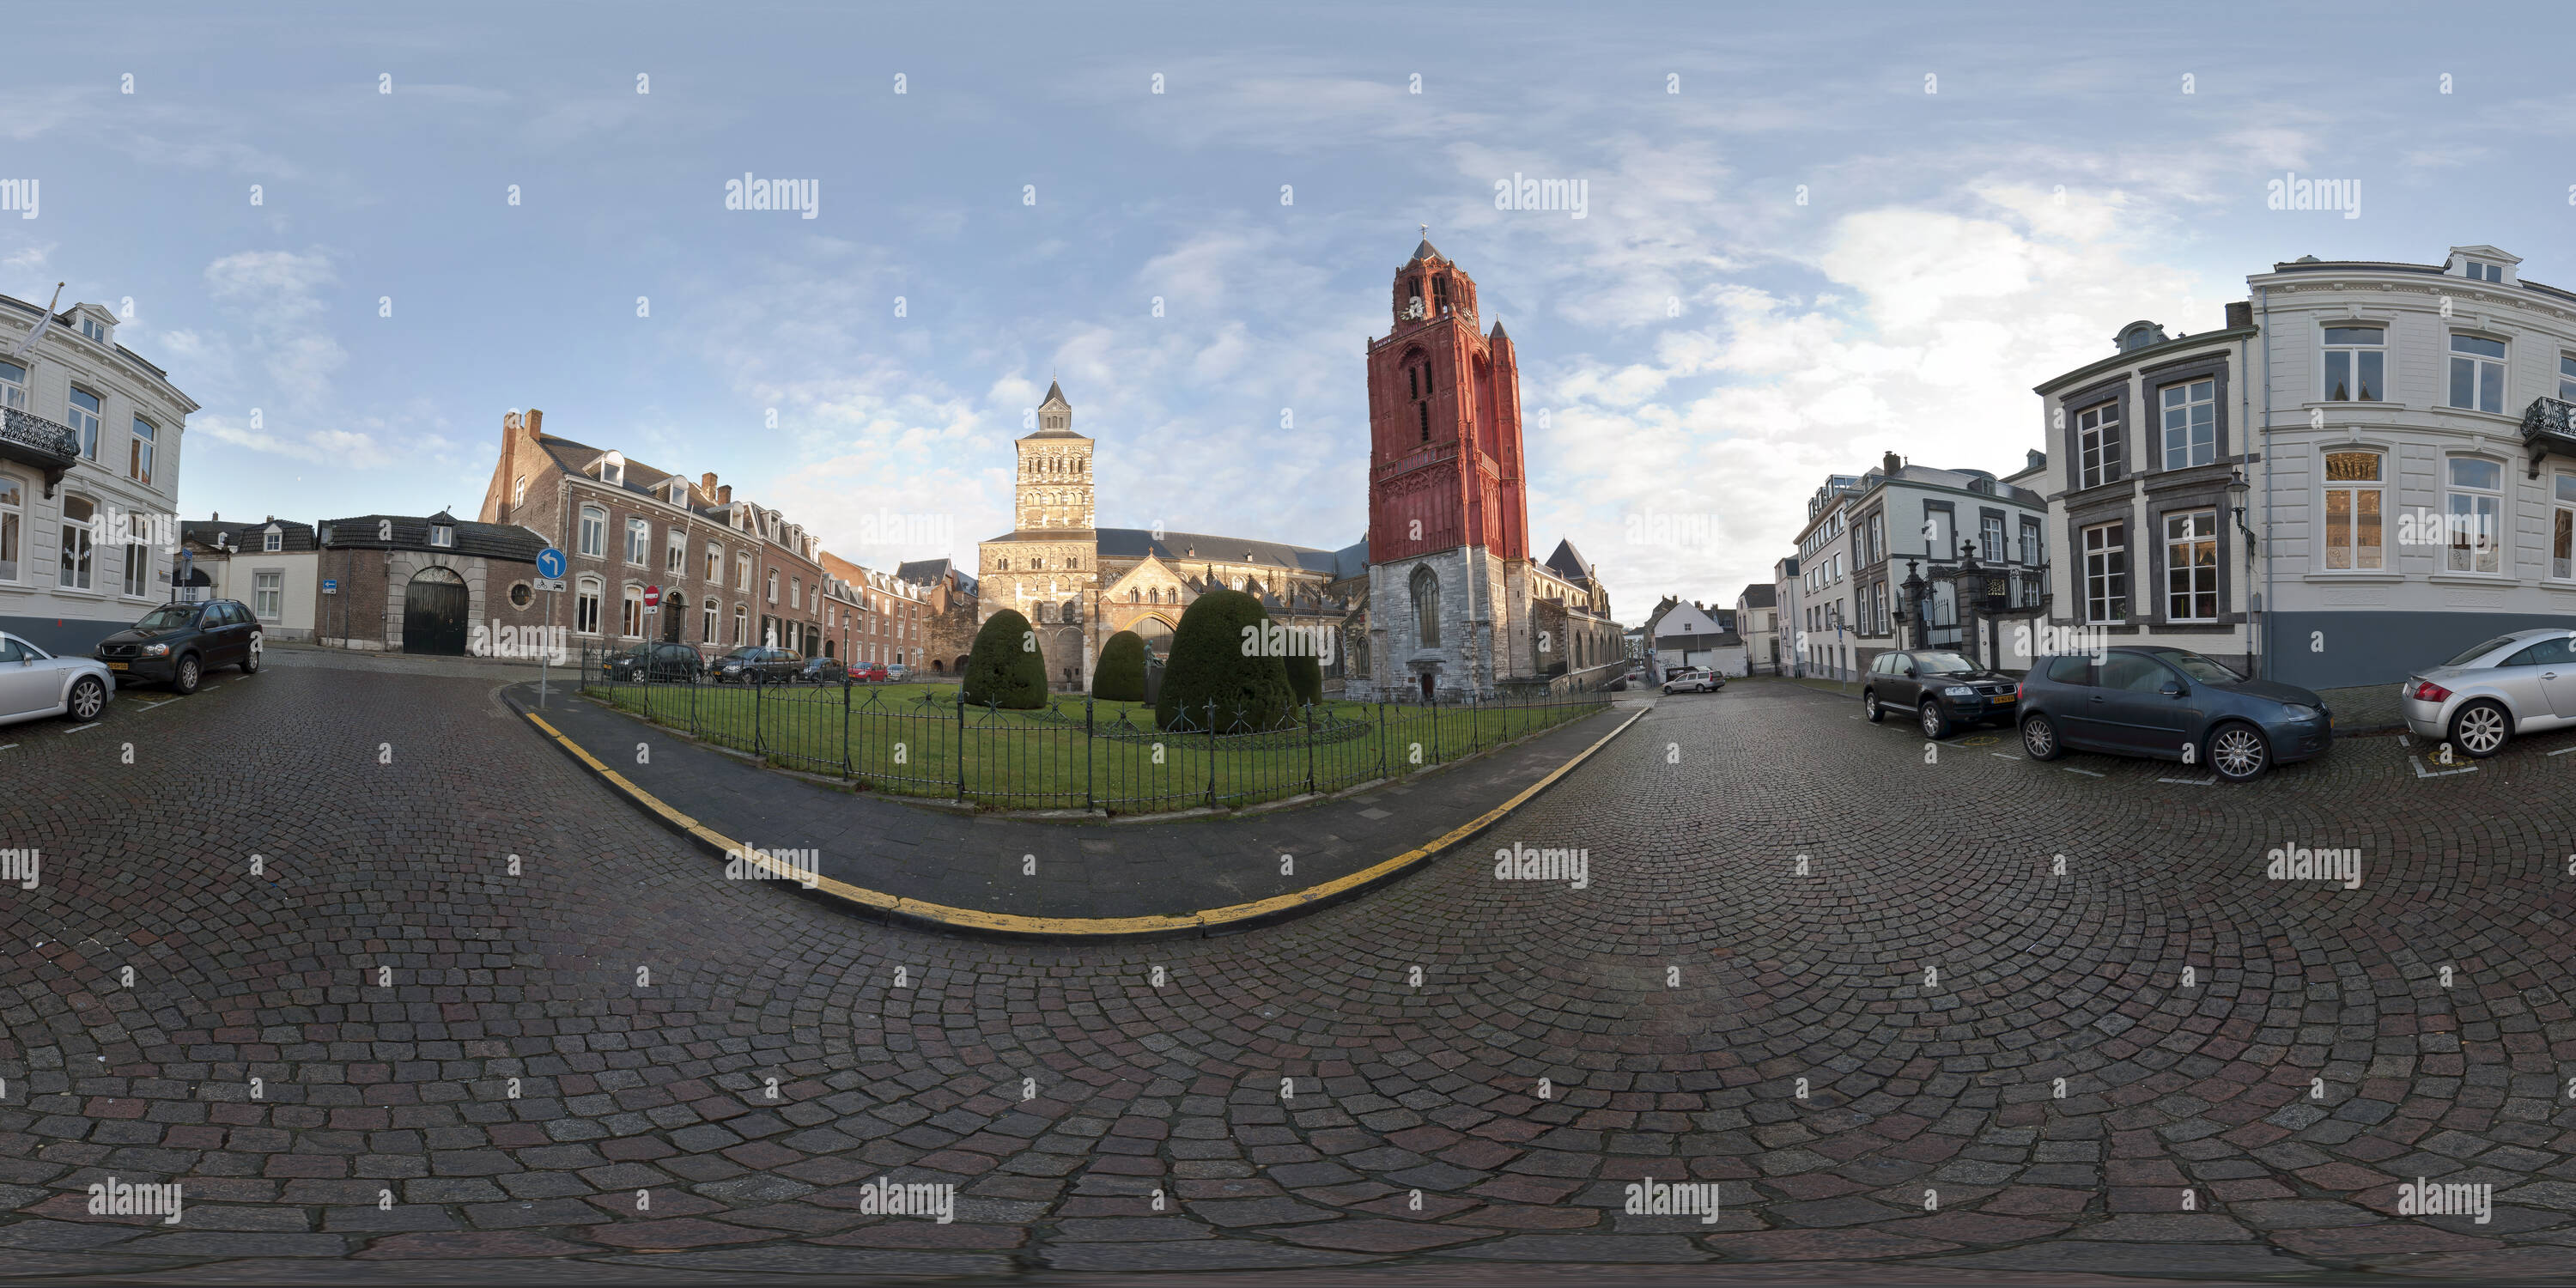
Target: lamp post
{"type": "Point", "coordinates": [2236, 493]}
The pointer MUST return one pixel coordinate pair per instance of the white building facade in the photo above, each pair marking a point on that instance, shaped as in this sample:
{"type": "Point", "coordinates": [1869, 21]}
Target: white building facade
{"type": "Point", "coordinates": [89, 479]}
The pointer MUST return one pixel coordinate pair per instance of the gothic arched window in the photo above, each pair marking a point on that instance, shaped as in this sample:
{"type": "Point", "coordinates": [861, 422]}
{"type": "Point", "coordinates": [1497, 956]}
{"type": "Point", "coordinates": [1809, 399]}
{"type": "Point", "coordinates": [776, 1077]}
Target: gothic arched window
{"type": "Point", "coordinates": [1426, 607]}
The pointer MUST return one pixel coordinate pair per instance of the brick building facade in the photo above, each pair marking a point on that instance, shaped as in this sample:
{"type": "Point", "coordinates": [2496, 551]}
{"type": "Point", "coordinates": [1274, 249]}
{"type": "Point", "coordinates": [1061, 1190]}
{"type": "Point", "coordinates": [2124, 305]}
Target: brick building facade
{"type": "Point", "coordinates": [950, 597]}
{"type": "Point", "coordinates": [410, 584]}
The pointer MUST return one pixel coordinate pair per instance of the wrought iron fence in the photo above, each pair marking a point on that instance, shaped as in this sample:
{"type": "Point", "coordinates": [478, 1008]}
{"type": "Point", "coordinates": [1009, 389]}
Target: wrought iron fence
{"type": "Point", "coordinates": [1073, 752]}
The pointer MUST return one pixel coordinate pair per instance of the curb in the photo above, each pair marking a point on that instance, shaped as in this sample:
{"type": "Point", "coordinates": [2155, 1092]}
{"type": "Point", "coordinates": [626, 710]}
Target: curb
{"type": "Point", "coordinates": [975, 921]}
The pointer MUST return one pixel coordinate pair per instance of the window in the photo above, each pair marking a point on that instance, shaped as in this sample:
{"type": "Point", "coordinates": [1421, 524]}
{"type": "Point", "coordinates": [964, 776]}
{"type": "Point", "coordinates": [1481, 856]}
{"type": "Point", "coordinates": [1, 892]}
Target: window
{"type": "Point", "coordinates": [76, 569]}
{"type": "Point", "coordinates": [2030, 542]}
{"type": "Point", "coordinates": [1426, 608]}
{"type": "Point", "coordinates": [2356, 364]}
{"type": "Point", "coordinates": [773, 585]}
{"type": "Point", "coordinates": [2477, 373]}
{"type": "Point", "coordinates": [594, 531]}
{"type": "Point", "coordinates": [715, 564]}
{"type": "Point", "coordinates": [2071, 670]}
{"type": "Point", "coordinates": [138, 461]}
{"type": "Point", "coordinates": [675, 560]}
{"type": "Point", "coordinates": [2567, 377]}
{"type": "Point", "coordinates": [268, 594]}
{"type": "Point", "coordinates": [94, 329]}
{"type": "Point", "coordinates": [13, 385]}
{"type": "Point", "coordinates": [442, 536]}
{"type": "Point", "coordinates": [1991, 541]}
{"type": "Point", "coordinates": [272, 542]}
{"type": "Point", "coordinates": [2191, 566]}
{"type": "Point", "coordinates": [742, 573]}
{"type": "Point", "coordinates": [2191, 424]}
{"type": "Point", "coordinates": [138, 569]}
{"type": "Point", "coordinates": [2553, 651]}
{"type": "Point", "coordinates": [585, 606]}
{"type": "Point", "coordinates": [2134, 673]}
{"type": "Point", "coordinates": [522, 594]}
{"type": "Point", "coordinates": [519, 490]}
{"type": "Point", "coordinates": [796, 592]}
{"type": "Point", "coordinates": [2353, 508]}
{"type": "Point", "coordinates": [2480, 271]}
{"type": "Point", "coordinates": [2106, 572]}
{"type": "Point", "coordinates": [13, 506]}
{"type": "Point", "coordinates": [2562, 540]}
{"type": "Point", "coordinates": [741, 623]}
{"type": "Point", "coordinates": [2473, 515]}
{"type": "Point", "coordinates": [2097, 434]}
{"type": "Point", "coordinates": [639, 541]}
{"type": "Point", "coordinates": [631, 623]}
{"type": "Point", "coordinates": [84, 414]}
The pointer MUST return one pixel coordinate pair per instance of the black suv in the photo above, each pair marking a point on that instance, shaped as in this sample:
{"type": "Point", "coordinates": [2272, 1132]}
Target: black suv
{"type": "Point", "coordinates": [657, 663]}
{"type": "Point", "coordinates": [823, 670]}
{"type": "Point", "coordinates": [176, 644]}
{"type": "Point", "coordinates": [1941, 688]}
{"type": "Point", "coordinates": [754, 664]}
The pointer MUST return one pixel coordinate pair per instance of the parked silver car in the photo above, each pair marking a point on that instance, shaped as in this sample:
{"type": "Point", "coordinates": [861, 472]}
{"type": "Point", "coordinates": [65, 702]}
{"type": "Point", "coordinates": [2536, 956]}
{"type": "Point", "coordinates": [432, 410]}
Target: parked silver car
{"type": "Point", "coordinates": [35, 684]}
{"type": "Point", "coordinates": [1691, 679]}
{"type": "Point", "coordinates": [2520, 683]}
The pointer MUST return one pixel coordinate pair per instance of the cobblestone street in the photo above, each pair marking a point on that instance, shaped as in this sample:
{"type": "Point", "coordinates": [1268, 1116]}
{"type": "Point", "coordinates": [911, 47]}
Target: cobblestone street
{"type": "Point", "coordinates": [1845, 979]}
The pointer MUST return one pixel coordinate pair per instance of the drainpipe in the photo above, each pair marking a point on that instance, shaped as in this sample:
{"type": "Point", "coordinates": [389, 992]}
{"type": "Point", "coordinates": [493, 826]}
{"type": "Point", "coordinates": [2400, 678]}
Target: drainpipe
{"type": "Point", "coordinates": [2263, 329]}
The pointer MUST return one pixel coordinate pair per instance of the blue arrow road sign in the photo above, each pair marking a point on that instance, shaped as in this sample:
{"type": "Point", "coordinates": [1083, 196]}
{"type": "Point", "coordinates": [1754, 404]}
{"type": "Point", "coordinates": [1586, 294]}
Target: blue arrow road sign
{"type": "Point", "coordinates": [550, 563]}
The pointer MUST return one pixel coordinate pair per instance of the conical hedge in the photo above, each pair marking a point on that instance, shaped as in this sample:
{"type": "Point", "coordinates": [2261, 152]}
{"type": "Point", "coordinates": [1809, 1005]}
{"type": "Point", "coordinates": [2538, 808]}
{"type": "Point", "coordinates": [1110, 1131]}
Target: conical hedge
{"type": "Point", "coordinates": [1120, 676]}
{"type": "Point", "coordinates": [1006, 668]}
{"type": "Point", "coordinates": [1214, 659]}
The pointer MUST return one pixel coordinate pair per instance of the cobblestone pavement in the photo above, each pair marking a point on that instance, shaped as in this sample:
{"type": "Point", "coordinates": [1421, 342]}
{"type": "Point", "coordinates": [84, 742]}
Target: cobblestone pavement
{"type": "Point", "coordinates": [1455, 1078]}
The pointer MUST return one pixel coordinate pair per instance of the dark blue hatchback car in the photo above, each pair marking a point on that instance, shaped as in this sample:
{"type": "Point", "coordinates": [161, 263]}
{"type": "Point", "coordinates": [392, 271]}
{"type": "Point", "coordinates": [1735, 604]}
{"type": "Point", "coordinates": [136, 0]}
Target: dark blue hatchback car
{"type": "Point", "coordinates": [2170, 704]}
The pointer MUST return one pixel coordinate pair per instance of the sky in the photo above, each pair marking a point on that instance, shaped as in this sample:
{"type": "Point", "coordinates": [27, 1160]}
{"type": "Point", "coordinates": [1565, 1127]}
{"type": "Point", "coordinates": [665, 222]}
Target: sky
{"type": "Point", "coordinates": [1812, 234]}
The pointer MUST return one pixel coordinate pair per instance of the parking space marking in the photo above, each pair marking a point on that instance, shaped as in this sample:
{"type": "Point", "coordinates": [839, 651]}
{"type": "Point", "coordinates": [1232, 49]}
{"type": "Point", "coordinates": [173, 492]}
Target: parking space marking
{"type": "Point", "coordinates": [2189, 782]}
{"type": "Point", "coordinates": [162, 703]}
{"type": "Point", "coordinates": [2562, 751]}
{"type": "Point", "coordinates": [2422, 772]}
{"type": "Point", "coordinates": [2003, 755]}
{"type": "Point", "coordinates": [2086, 772]}
{"type": "Point", "coordinates": [7, 746]}
{"type": "Point", "coordinates": [91, 725]}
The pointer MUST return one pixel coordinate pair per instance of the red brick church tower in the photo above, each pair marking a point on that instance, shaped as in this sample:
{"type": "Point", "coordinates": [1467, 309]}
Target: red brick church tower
{"type": "Point", "coordinates": [1448, 539]}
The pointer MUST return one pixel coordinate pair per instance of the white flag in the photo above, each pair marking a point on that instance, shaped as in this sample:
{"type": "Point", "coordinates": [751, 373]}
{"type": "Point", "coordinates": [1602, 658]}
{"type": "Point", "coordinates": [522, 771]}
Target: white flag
{"type": "Point", "coordinates": [43, 320]}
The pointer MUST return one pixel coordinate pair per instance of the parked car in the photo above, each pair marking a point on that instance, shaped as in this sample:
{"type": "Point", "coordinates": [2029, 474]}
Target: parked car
{"type": "Point", "coordinates": [2524, 682]}
{"type": "Point", "coordinates": [2170, 704]}
{"type": "Point", "coordinates": [822, 670]}
{"type": "Point", "coordinates": [657, 663]}
{"type": "Point", "coordinates": [176, 644]}
{"type": "Point", "coordinates": [35, 684]}
{"type": "Point", "coordinates": [755, 664]}
{"type": "Point", "coordinates": [1944, 690]}
{"type": "Point", "coordinates": [871, 673]}
{"type": "Point", "coordinates": [897, 671]}
{"type": "Point", "coordinates": [1693, 679]}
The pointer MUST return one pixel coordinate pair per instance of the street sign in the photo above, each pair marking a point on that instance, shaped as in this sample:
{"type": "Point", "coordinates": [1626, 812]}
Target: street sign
{"type": "Point", "coordinates": [543, 583]}
{"type": "Point", "coordinates": [550, 563]}
{"type": "Point", "coordinates": [330, 585]}
{"type": "Point", "coordinates": [652, 597]}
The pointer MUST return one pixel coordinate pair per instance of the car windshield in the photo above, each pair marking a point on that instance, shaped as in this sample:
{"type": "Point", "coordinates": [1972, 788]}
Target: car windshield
{"type": "Point", "coordinates": [168, 617]}
{"type": "Point", "coordinates": [748, 652]}
{"type": "Point", "coordinates": [2207, 670]}
{"type": "Point", "coordinates": [2480, 651]}
{"type": "Point", "coordinates": [1942, 663]}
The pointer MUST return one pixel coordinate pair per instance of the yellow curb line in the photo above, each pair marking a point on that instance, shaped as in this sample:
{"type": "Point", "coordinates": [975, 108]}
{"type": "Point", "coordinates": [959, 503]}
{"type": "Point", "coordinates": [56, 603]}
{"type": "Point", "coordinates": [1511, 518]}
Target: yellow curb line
{"type": "Point", "coordinates": [1012, 923]}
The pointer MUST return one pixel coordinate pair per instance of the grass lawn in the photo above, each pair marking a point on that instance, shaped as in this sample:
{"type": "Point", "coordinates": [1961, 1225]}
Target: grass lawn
{"type": "Point", "coordinates": [908, 739]}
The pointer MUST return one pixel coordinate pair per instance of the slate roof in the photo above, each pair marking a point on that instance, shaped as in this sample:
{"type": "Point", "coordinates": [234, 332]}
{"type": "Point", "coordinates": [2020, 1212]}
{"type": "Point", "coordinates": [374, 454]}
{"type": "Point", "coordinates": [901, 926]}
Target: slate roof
{"type": "Point", "coordinates": [292, 536]}
{"type": "Point", "coordinates": [1425, 251]}
{"type": "Point", "coordinates": [1136, 543]}
{"type": "Point", "coordinates": [923, 572]}
{"type": "Point", "coordinates": [1569, 562]}
{"type": "Point", "coordinates": [488, 540]}
{"type": "Point", "coordinates": [1761, 594]}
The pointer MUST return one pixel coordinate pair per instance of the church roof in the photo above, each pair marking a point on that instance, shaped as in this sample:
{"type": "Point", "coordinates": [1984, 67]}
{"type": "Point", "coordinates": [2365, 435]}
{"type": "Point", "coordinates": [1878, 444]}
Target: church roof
{"type": "Point", "coordinates": [1424, 251]}
{"type": "Point", "coordinates": [1569, 562]}
{"type": "Point", "coordinates": [1055, 393]}
{"type": "Point", "coordinates": [1136, 543]}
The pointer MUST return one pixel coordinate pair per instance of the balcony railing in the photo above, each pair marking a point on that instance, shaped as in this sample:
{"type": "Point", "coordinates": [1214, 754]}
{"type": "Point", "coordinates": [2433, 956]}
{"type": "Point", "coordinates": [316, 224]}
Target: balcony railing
{"type": "Point", "coordinates": [2548, 425]}
{"type": "Point", "coordinates": [49, 445]}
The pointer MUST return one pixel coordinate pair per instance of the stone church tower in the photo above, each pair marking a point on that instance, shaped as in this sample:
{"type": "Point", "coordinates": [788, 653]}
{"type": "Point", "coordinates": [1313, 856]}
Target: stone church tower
{"type": "Point", "coordinates": [1448, 538]}
{"type": "Point", "coordinates": [1048, 566]}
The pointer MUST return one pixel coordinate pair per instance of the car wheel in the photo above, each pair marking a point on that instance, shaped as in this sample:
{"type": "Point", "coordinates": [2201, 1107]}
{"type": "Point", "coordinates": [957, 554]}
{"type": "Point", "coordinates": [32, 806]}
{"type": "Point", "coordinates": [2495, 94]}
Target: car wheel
{"type": "Point", "coordinates": [1869, 705]}
{"type": "Point", "coordinates": [2039, 739]}
{"type": "Point", "coordinates": [2238, 752]}
{"type": "Point", "coordinates": [1936, 723]}
{"type": "Point", "coordinates": [2481, 728]}
{"type": "Point", "coordinates": [250, 660]}
{"type": "Point", "coordinates": [89, 697]}
{"type": "Point", "coordinates": [184, 680]}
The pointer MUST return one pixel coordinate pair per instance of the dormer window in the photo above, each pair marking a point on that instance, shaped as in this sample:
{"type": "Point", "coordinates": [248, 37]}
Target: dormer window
{"type": "Point", "coordinates": [2478, 270]}
{"type": "Point", "coordinates": [271, 542]}
{"type": "Point", "coordinates": [612, 470]}
{"type": "Point", "coordinates": [442, 536]}
{"type": "Point", "coordinates": [94, 329]}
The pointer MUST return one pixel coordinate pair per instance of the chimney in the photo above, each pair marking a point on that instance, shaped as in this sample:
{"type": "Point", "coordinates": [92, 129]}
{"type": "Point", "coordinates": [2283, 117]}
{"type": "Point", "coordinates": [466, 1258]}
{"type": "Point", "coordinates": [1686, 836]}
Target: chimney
{"type": "Point", "coordinates": [2240, 313]}
{"type": "Point", "coordinates": [707, 483]}
{"type": "Point", "coordinates": [724, 495]}
{"type": "Point", "coordinates": [535, 421]}
{"type": "Point", "coordinates": [217, 516]}
{"type": "Point", "coordinates": [1890, 464]}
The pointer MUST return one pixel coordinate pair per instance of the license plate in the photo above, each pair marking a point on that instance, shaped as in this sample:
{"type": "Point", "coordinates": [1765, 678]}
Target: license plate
{"type": "Point", "coordinates": [2002, 698]}
{"type": "Point", "coordinates": [119, 666]}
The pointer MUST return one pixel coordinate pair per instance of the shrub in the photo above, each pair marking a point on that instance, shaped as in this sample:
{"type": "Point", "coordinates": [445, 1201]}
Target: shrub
{"type": "Point", "coordinates": [1120, 676]}
{"type": "Point", "coordinates": [1006, 667]}
{"type": "Point", "coordinates": [1210, 663]}
{"type": "Point", "coordinates": [1305, 678]}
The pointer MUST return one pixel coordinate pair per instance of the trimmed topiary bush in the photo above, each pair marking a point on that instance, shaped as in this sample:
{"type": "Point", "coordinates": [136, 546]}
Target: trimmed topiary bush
{"type": "Point", "coordinates": [1211, 662]}
{"type": "Point", "coordinates": [1305, 678]}
{"type": "Point", "coordinates": [1006, 668]}
{"type": "Point", "coordinates": [1120, 676]}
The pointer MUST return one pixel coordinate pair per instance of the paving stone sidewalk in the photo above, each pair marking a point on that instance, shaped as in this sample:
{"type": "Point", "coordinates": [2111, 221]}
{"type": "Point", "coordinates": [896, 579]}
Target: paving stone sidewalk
{"type": "Point", "coordinates": [1105, 869]}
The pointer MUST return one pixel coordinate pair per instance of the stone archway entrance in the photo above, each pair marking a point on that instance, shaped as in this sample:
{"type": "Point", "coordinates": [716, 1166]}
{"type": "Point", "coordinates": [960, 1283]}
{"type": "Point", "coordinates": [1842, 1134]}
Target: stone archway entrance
{"type": "Point", "coordinates": [434, 612]}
